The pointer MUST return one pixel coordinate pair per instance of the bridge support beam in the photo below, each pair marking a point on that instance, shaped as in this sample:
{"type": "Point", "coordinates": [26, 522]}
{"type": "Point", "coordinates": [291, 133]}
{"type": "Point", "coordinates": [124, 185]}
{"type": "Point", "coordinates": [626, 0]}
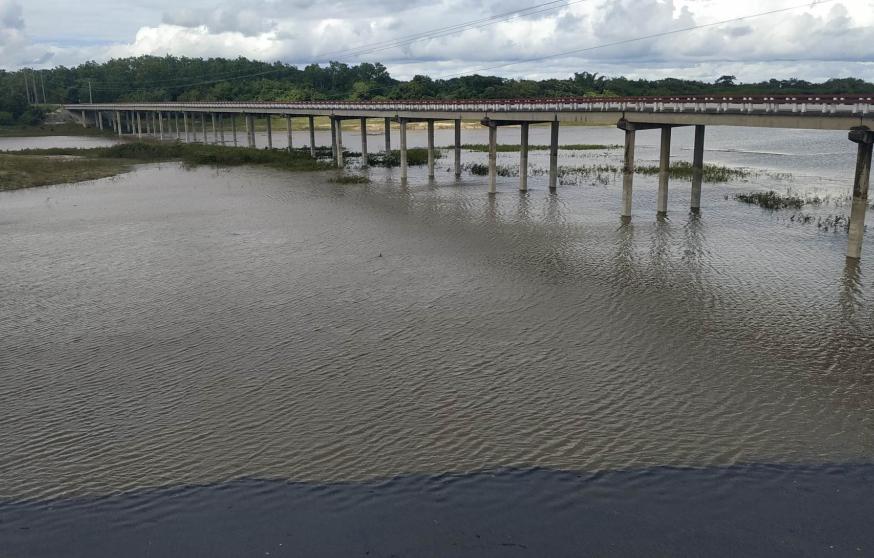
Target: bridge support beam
{"type": "Point", "coordinates": [339, 144]}
{"type": "Point", "coordinates": [139, 126]}
{"type": "Point", "coordinates": [203, 126]}
{"type": "Point", "coordinates": [185, 126]}
{"type": "Point", "coordinates": [333, 139]}
{"type": "Point", "coordinates": [311, 122]}
{"type": "Point", "coordinates": [697, 168]}
{"type": "Point", "coordinates": [250, 131]}
{"type": "Point", "coordinates": [269, 131]}
{"type": "Point", "coordinates": [457, 148]}
{"type": "Point", "coordinates": [493, 159]}
{"type": "Point", "coordinates": [865, 140]}
{"type": "Point", "coordinates": [430, 124]}
{"type": "Point", "coordinates": [288, 131]}
{"type": "Point", "coordinates": [387, 135]}
{"type": "Point", "coordinates": [221, 118]}
{"type": "Point", "coordinates": [664, 172]}
{"type": "Point", "coordinates": [553, 155]}
{"type": "Point", "coordinates": [363, 142]}
{"type": "Point", "coordinates": [84, 120]}
{"type": "Point", "coordinates": [628, 173]}
{"type": "Point", "coordinates": [161, 125]}
{"type": "Point", "coordinates": [523, 158]}
{"type": "Point", "coordinates": [403, 126]}
{"type": "Point", "coordinates": [118, 123]}
{"type": "Point", "coordinates": [214, 128]}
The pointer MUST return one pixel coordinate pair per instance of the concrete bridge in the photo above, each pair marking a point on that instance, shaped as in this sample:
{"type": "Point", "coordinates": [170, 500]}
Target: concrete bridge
{"type": "Point", "coordinates": [853, 113]}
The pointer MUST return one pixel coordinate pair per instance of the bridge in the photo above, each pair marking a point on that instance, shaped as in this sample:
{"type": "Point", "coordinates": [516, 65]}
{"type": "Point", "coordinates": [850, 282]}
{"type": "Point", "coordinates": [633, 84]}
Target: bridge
{"type": "Point", "coordinates": [852, 113]}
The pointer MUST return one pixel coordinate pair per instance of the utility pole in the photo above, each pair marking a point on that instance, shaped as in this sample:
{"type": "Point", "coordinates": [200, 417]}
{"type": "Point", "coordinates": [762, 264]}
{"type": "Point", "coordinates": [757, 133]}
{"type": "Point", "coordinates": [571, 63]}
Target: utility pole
{"type": "Point", "coordinates": [42, 82]}
{"type": "Point", "coordinates": [26, 86]}
{"type": "Point", "coordinates": [90, 97]}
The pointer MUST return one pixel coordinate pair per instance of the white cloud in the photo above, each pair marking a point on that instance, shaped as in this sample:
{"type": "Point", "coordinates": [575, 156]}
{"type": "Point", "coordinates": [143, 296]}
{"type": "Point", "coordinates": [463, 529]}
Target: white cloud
{"type": "Point", "coordinates": [829, 40]}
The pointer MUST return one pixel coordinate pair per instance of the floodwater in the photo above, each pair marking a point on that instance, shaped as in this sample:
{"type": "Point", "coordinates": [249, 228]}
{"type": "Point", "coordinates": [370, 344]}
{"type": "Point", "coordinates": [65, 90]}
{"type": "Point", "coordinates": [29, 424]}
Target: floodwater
{"type": "Point", "coordinates": [45, 142]}
{"type": "Point", "coordinates": [239, 362]}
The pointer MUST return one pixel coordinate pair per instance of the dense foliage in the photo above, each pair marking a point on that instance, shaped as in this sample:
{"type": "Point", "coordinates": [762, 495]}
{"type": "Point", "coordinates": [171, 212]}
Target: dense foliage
{"type": "Point", "coordinates": [151, 78]}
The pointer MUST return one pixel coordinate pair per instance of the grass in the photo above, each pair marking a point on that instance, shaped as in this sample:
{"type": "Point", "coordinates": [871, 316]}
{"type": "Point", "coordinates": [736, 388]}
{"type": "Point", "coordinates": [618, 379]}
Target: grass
{"type": "Point", "coordinates": [350, 179]}
{"type": "Point", "coordinates": [771, 200]}
{"type": "Point", "coordinates": [41, 167]}
{"type": "Point", "coordinates": [711, 173]}
{"type": "Point", "coordinates": [503, 148]}
{"type": "Point", "coordinates": [27, 171]}
{"type": "Point", "coordinates": [415, 156]}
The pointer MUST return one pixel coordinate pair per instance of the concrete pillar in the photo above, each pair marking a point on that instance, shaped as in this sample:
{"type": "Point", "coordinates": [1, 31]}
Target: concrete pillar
{"type": "Point", "coordinates": [221, 118]}
{"type": "Point", "coordinates": [234, 128]}
{"type": "Point", "coordinates": [187, 130]}
{"type": "Point", "coordinates": [339, 136]}
{"type": "Point", "coordinates": [84, 121]}
{"type": "Point", "coordinates": [493, 158]}
{"type": "Point", "coordinates": [553, 155]}
{"type": "Point", "coordinates": [430, 149]}
{"type": "Point", "coordinates": [363, 141]}
{"type": "Point", "coordinates": [160, 125]}
{"type": "Point", "coordinates": [250, 130]}
{"type": "Point", "coordinates": [628, 173]}
{"type": "Point", "coordinates": [269, 131]}
{"type": "Point", "coordinates": [697, 167]}
{"type": "Point", "coordinates": [523, 158]}
{"type": "Point", "coordinates": [139, 126]}
{"type": "Point", "coordinates": [664, 172]}
{"type": "Point", "coordinates": [150, 123]}
{"type": "Point", "coordinates": [118, 122]}
{"type": "Point", "coordinates": [312, 123]}
{"type": "Point", "coordinates": [387, 135]}
{"type": "Point", "coordinates": [203, 127]}
{"type": "Point", "coordinates": [288, 129]}
{"type": "Point", "coordinates": [333, 139]}
{"type": "Point", "coordinates": [457, 148]}
{"type": "Point", "coordinates": [99, 120]}
{"type": "Point", "coordinates": [176, 124]}
{"type": "Point", "coordinates": [403, 125]}
{"type": "Point", "coordinates": [214, 129]}
{"type": "Point", "coordinates": [865, 140]}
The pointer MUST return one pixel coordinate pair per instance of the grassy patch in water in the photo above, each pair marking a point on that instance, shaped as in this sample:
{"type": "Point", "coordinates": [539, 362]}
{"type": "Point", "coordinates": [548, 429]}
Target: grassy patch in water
{"type": "Point", "coordinates": [350, 179]}
{"type": "Point", "coordinates": [415, 156]}
{"type": "Point", "coordinates": [771, 200]}
{"type": "Point", "coordinates": [511, 148]}
{"type": "Point", "coordinates": [25, 171]}
{"type": "Point", "coordinates": [710, 173]}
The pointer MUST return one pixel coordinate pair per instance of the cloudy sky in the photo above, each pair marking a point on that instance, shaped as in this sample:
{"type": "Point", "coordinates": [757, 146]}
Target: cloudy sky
{"type": "Point", "coordinates": [815, 42]}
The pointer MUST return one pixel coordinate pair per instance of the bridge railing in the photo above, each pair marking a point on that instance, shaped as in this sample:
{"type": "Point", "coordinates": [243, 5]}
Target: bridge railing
{"type": "Point", "coordinates": [817, 104]}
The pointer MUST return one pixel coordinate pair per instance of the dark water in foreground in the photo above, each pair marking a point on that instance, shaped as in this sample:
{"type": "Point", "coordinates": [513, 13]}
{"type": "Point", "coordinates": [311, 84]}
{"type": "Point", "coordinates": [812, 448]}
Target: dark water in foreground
{"type": "Point", "coordinates": [534, 378]}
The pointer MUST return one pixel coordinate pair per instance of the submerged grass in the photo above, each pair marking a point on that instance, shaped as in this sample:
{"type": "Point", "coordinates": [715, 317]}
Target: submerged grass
{"type": "Point", "coordinates": [771, 200]}
{"type": "Point", "coordinates": [40, 167]}
{"type": "Point", "coordinates": [415, 156]}
{"type": "Point", "coordinates": [350, 179]}
{"type": "Point", "coordinates": [505, 148]}
{"type": "Point", "coordinates": [21, 171]}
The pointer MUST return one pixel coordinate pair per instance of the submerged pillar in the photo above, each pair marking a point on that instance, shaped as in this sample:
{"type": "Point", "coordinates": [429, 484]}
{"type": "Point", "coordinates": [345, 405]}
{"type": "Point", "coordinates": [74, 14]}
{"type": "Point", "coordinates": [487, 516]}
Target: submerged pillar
{"type": "Point", "coordinates": [388, 135]}
{"type": "Point", "coordinates": [214, 129]}
{"type": "Point", "coordinates": [553, 155]}
{"type": "Point", "coordinates": [139, 126]}
{"type": "Point", "coordinates": [99, 120]}
{"type": "Point", "coordinates": [865, 140]}
{"type": "Point", "coordinates": [311, 122]}
{"type": "Point", "coordinates": [340, 162]}
{"type": "Point", "coordinates": [333, 139]}
{"type": "Point", "coordinates": [697, 168]}
{"type": "Point", "coordinates": [118, 122]}
{"type": "Point", "coordinates": [403, 125]}
{"type": "Point", "coordinates": [84, 120]}
{"type": "Point", "coordinates": [628, 173]}
{"type": "Point", "coordinates": [269, 131]}
{"type": "Point", "coordinates": [288, 130]}
{"type": "Point", "coordinates": [176, 124]}
{"type": "Point", "coordinates": [160, 125]}
{"type": "Point", "coordinates": [664, 172]}
{"type": "Point", "coordinates": [457, 148]}
{"type": "Point", "coordinates": [185, 124]}
{"type": "Point", "coordinates": [234, 128]}
{"type": "Point", "coordinates": [363, 141]}
{"type": "Point", "coordinates": [430, 149]}
{"type": "Point", "coordinates": [221, 118]}
{"type": "Point", "coordinates": [523, 158]}
{"type": "Point", "coordinates": [203, 126]}
{"type": "Point", "coordinates": [493, 158]}
{"type": "Point", "coordinates": [250, 131]}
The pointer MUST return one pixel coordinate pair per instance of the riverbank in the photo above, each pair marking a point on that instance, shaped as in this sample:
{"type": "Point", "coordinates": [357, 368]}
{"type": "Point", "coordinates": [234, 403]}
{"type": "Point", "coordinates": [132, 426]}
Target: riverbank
{"type": "Point", "coordinates": [52, 129]}
{"type": "Point", "coordinates": [42, 167]}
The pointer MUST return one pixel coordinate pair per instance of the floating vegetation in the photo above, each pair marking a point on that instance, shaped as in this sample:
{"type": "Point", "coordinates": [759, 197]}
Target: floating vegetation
{"type": "Point", "coordinates": [771, 200]}
{"type": "Point", "coordinates": [415, 156]}
{"type": "Point", "coordinates": [833, 223]}
{"type": "Point", "coordinates": [511, 148]}
{"type": "Point", "coordinates": [479, 169]}
{"type": "Point", "coordinates": [710, 173]}
{"type": "Point", "coordinates": [350, 179]}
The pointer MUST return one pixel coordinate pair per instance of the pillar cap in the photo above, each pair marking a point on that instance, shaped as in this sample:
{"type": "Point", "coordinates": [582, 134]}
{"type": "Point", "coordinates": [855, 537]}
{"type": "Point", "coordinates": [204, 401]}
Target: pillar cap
{"type": "Point", "coordinates": [861, 135]}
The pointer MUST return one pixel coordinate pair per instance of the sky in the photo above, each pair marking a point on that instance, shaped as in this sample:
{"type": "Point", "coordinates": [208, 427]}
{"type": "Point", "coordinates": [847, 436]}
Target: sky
{"type": "Point", "coordinates": [496, 37]}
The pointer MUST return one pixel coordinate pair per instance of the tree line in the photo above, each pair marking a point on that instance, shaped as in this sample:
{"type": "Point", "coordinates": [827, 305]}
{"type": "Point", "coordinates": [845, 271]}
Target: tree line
{"type": "Point", "coordinates": [173, 78]}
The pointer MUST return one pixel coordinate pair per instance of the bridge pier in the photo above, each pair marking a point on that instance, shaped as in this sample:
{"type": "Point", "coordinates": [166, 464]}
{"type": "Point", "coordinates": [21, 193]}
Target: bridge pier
{"type": "Point", "coordinates": [288, 131]}
{"type": "Point", "coordinates": [221, 118]}
{"type": "Point", "coordinates": [203, 126]}
{"type": "Point", "coordinates": [139, 126]}
{"type": "Point", "coordinates": [457, 148]}
{"type": "Point", "coordinates": [523, 158]}
{"type": "Point", "coordinates": [311, 122]}
{"type": "Point", "coordinates": [403, 126]}
{"type": "Point", "coordinates": [363, 142]}
{"type": "Point", "coordinates": [250, 131]}
{"type": "Point", "coordinates": [553, 155]}
{"type": "Point", "coordinates": [118, 123]}
{"type": "Point", "coordinates": [664, 172]}
{"type": "Point", "coordinates": [864, 138]}
{"type": "Point", "coordinates": [84, 121]}
{"type": "Point", "coordinates": [339, 145]}
{"type": "Point", "coordinates": [628, 173]}
{"type": "Point", "coordinates": [234, 128]}
{"type": "Point", "coordinates": [214, 129]}
{"type": "Point", "coordinates": [99, 118]}
{"type": "Point", "coordinates": [161, 125]}
{"type": "Point", "coordinates": [176, 124]}
{"type": "Point", "coordinates": [430, 124]}
{"type": "Point", "coordinates": [493, 158]}
{"type": "Point", "coordinates": [269, 131]}
{"type": "Point", "coordinates": [387, 135]}
{"type": "Point", "coordinates": [697, 168]}
{"type": "Point", "coordinates": [333, 139]}
{"type": "Point", "coordinates": [185, 125]}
